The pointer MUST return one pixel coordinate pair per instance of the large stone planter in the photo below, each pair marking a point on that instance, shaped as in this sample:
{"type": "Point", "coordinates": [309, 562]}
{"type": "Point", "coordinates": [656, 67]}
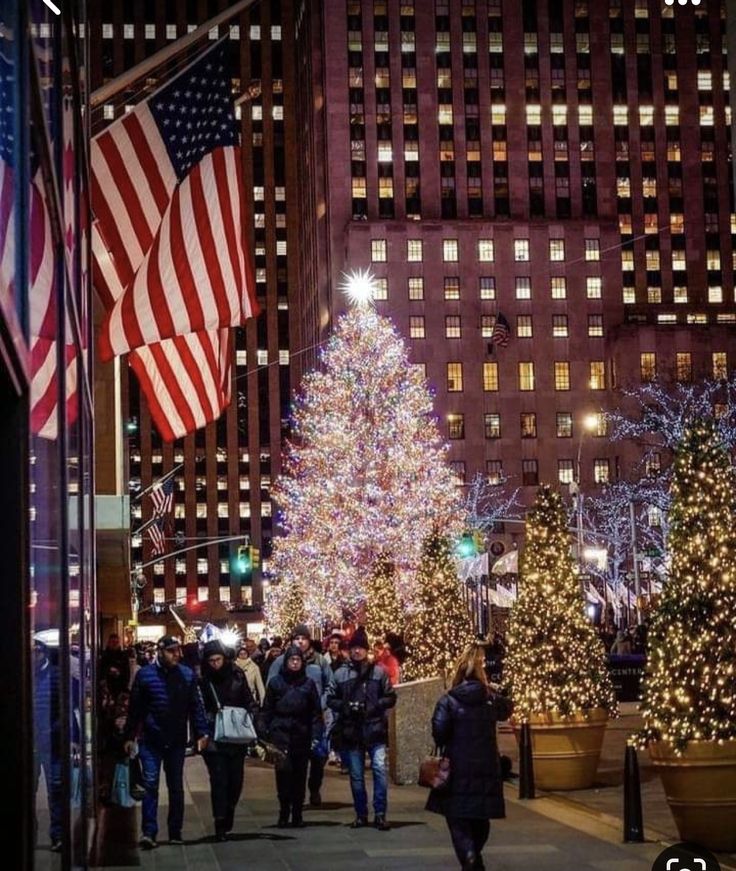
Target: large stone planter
{"type": "Point", "coordinates": [566, 750]}
{"type": "Point", "coordinates": [700, 785]}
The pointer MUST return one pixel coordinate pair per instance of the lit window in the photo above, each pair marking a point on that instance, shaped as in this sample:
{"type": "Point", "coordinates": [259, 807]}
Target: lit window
{"type": "Point", "coordinates": [597, 375]}
{"type": "Point", "coordinates": [411, 151]}
{"type": "Point", "coordinates": [108, 112]}
{"type": "Point", "coordinates": [492, 425]}
{"type": "Point", "coordinates": [530, 43]}
{"type": "Point", "coordinates": [485, 250]}
{"type": "Point", "coordinates": [456, 426]}
{"type": "Point", "coordinates": [150, 31]}
{"type": "Point", "coordinates": [646, 115]}
{"type": "Point", "coordinates": [380, 288]}
{"type": "Point", "coordinates": [170, 31]}
{"type": "Point", "coordinates": [444, 114]}
{"type": "Point", "coordinates": [715, 294]}
{"type": "Point", "coordinates": [498, 115]}
{"type": "Point", "coordinates": [421, 369]}
{"type": "Point", "coordinates": [679, 260]}
{"type": "Point", "coordinates": [490, 377]}
{"type": "Point", "coordinates": [241, 357]}
{"type": "Point", "coordinates": [671, 115]}
{"type": "Point", "coordinates": [600, 428]}
{"type": "Point", "coordinates": [585, 115]}
{"type": "Point", "coordinates": [559, 326]}
{"type": "Point", "coordinates": [595, 326]}
{"type": "Point", "coordinates": [564, 425]}
{"type": "Point", "coordinates": [486, 325]}
{"type": "Point", "coordinates": [601, 471]}
{"type": "Point", "coordinates": [720, 365]}
{"type": "Point", "coordinates": [593, 287]}
{"type": "Point", "coordinates": [524, 326]}
{"type": "Point", "coordinates": [416, 287]}
{"type": "Point", "coordinates": [416, 327]}
{"type": "Point", "coordinates": [533, 114]}
{"type": "Point", "coordinates": [262, 358]}
{"type": "Point", "coordinates": [705, 80]}
{"type": "Point", "coordinates": [648, 366]}
{"type": "Point", "coordinates": [385, 151]}
{"type": "Point", "coordinates": [414, 250]}
{"type": "Point", "coordinates": [129, 31]}
{"type": "Point", "coordinates": [654, 515]}
{"type": "Point", "coordinates": [621, 115]}
{"type": "Point", "coordinates": [449, 250]}
{"type": "Point", "coordinates": [494, 471]}
{"type": "Point", "coordinates": [453, 329]}
{"type": "Point", "coordinates": [684, 367]}
{"type": "Point", "coordinates": [378, 250]}
{"type": "Point", "coordinates": [592, 249]}
{"type": "Point", "coordinates": [526, 376]}
{"type": "Point", "coordinates": [556, 249]}
{"type": "Point", "coordinates": [359, 189]}
{"type": "Point", "coordinates": [565, 471]}
{"type": "Point", "coordinates": [495, 42]}
{"type": "Point", "coordinates": [452, 287]}
{"type": "Point", "coordinates": [559, 115]}
{"type": "Point", "coordinates": [706, 116]}
{"type": "Point", "coordinates": [562, 375]}
{"type": "Point", "coordinates": [666, 318]}
{"type": "Point", "coordinates": [558, 287]}
{"type": "Point", "coordinates": [528, 425]}
{"type": "Point", "coordinates": [521, 250]}
{"type": "Point", "coordinates": [107, 31]}
{"type": "Point", "coordinates": [487, 287]}
{"type": "Point", "coordinates": [617, 43]}
{"type": "Point", "coordinates": [523, 287]}
{"type": "Point", "coordinates": [454, 377]}
{"type": "Point", "coordinates": [385, 188]}
{"type": "Point", "coordinates": [235, 31]}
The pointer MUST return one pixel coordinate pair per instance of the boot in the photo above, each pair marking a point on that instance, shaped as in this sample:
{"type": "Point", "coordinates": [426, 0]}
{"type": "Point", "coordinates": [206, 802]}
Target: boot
{"type": "Point", "coordinates": [297, 821]}
{"type": "Point", "coordinates": [229, 820]}
{"type": "Point", "coordinates": [220, 830]}
{"type": "Point", "coordinates": [470, 861]}
{"type": "Point", "coordinates": [380, 823]}
{"type": "Point", "coordinates": [283, 820]}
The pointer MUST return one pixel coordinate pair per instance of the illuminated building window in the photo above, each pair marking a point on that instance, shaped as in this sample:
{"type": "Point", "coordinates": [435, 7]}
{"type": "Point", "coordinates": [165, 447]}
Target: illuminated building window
{"type": "Point", "coordinates": [621, 115]}
{"type": "Point", "coordinates": [524, 326]}
{"type": "Point", "coordinates": [170, 31]}
{"type": "Point", "coordinates": [600, 429]}
{"type": "Point", "coordinates": [528, 425]}
{"type": "Point", "coordinates": [494, 471]}
{"type": "Point", "coordinates": [674, 153]}
{"type": "Point", "coordinates": [452, 287]}
{"type": "Point", "coordinates": [485, 250]}
{"type": "Point", "coordinates": [707, 117]}
{"type": "Point", "coordinates": [585, 115]}
{"type": "Point", "coordinates": [359, 189]}
{"type": "Point", "coordinates": [262, 357]}
{"type": "Point", "coordinates": [652, 260]}
{"type": "Point", "coordinates": [492, 425]}
{"type": "Point", "coordinates": [646, 115]}
{"type": "Point", "coordinates": [530, 43]}
{"type": "Point", "coordinates": [697, 318]}
{"type": "Point", "coordinates": [593, 287]}
{"type": "Point", "coordinates": [490, 377]}
{"type": "Point", "coordinates": [416, 327]}
{"type": "Point", "coordinates": [486, 325]}
{"type": "Point", "coordinates": [715, 294]}
{"type": "Point", "coordinates": [385, 188]}
{"type": "Point", "coordinates": [456, 426]}
{"type": "Point", "coordinates": [564, 425]}
{"type": "Point", "coordinates": [414, 250]}
{"type": "Point", "coordinates": [559, 326]}
{"type": "Point", "coordinates": [565, 471]}
{"type": "Point", "coordinates": [523, 287]}
{"type": "Point", "coordinates": [592, 249]}
{"type": "Point", "coordinates": [679, 260]}
{"type": "Point", "coordinates": [521, 250]}
{"type": "Point", "coordinates": [713, 259]}
{"type": "Point", "coordinates": [453, 329]}
{"type": "Point", "coordinates": [533, 114]}
{"type": "Point", "coordinates": [411, 151]}
{"type": "Point", "coordinates": [444, 114]}
{"type": "Point", "coordinates": [597, 379]}
{"type": "Point", "coordinates": [556, 249]}
{"type": "Point", "coordinates": [380, 288]}
{"type": "Point", "coordinates": [487, 285]}
{"type": "Point", "coordinates": [378, 250]}
{"type": "Point", "coordinates": [385, 151]}
{"type": "Point", "coordinates": [526, 376]}
{"type": "Point", "coordinates": [498, 116]}
{"type": "Point", "coordinates": [720, 365]}
{"type": "Point", "coordinates": [562, 375]}
{"type": "Point", "coordinates": [558, 287]}
{"type": "Point", "coordinates": [529, 473]}
{"type": "Point", "coordinates": [683, 367]}
{"type": "Point", "coordinates": [450, 250]}
{"type": "Point", "coordinates": [601, 471]}
{"type": "Point", "coordinates": [416, 288]}
{"type": "Point", "coordinates": [595, 326]}
{"type": "Point", "coordinates": [648, 366]}
{"type": "Point", "coordinates": [654, 516]}
{"type": "Point", "coordinates": [559, 115]}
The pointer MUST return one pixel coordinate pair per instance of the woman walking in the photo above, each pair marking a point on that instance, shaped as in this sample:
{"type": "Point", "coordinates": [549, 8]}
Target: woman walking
{"type": "Point", "coordinates": [223, 684]}
{"type": "Point", "coordinates": [464, 727]}
{"type": "Point", "coordinates": [291, 719]}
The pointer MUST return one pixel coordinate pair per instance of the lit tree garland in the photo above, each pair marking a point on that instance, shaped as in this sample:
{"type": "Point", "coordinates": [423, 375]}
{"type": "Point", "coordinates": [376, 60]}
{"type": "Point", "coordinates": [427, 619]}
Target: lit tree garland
{"type": "Point", "coordinates": [383, 611]}
{"type": "Point", "coordinates": [689, 692]}
{"type": "Point", "coordinates": [366, 473]}
{"type": "Point", "coordinates": [556, 662]}
{"type": "Point", "coordinates": [440, 627]}
{"type": "Point", "coordinates": [286, 608]}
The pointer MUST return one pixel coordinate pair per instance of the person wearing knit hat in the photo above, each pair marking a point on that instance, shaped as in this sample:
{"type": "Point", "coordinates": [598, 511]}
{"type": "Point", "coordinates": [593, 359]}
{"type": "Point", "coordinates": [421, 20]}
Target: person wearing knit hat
{"type": "Point", "coordinates": [318, 669]}
{"type": "Point", "coordinates": [361, 698]}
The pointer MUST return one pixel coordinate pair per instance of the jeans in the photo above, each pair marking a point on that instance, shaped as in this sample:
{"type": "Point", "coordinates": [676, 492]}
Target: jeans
{"type": "Point", "coordinates": [356, 764]}
{"type": "Point", "coordinates": [173, 762]}
{"type": "Point", "coordinates": [226, 784]}
{"type": "Point", "coordinates": [48, 760]}
{"type": "Point", "coordinates": [468, 836]}
{"type": "Point", "coordinates": [291, 783]}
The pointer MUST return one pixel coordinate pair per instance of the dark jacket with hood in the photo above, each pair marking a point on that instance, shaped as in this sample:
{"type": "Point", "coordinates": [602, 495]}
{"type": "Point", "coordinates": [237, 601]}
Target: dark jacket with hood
{"type": "Point", "coordinates": [318, 669]}
{"type": "Point", "coordinates": [361, 697]}
{"type": "Point", "coordinates": [231, 688]}
{"type": "Point", "coordinates": [464, 724]}
{"type": "Point", "coordinates": [291, 716]}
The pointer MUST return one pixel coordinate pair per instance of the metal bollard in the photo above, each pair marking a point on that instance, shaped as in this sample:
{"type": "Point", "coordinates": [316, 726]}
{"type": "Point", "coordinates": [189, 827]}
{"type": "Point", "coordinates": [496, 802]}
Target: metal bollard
{"type": "Point", "coordinates": [633, 821]}
{"type": "Point", "coordinates": [526, 764]}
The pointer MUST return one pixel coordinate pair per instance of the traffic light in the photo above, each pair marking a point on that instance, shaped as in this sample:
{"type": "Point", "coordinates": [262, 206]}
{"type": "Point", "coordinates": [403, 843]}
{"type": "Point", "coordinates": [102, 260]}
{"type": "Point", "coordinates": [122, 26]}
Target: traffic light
{"type": "Point", "coordinates": [466, 546]}
{"type": "Point", "coordinates": [255, 557]}
{"type": "Point", "coordinates": [243, 562]}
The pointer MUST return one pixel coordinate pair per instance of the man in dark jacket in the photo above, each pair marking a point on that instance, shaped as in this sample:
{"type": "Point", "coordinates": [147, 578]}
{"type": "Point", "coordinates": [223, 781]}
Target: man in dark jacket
{"type": "Point", "coordinates": [318, 669]}
{"type": "Point", "coordinates": [115, 666]}
{"type": "Point", "coordinates": [361, 698]}
{"type": "Point", "coordinates": [165, 696]}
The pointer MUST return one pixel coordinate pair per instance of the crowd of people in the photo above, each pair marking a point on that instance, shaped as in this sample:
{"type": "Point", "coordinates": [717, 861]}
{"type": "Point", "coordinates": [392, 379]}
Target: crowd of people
{"type": "Point", "coordinates": [309, 706]}
{"type": "Point", "coordinates": [628, 641]}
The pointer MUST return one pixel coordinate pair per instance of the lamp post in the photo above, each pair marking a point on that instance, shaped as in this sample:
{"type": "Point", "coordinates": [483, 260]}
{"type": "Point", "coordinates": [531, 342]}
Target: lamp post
{"type": "Point", "coordinates": [588, 424]}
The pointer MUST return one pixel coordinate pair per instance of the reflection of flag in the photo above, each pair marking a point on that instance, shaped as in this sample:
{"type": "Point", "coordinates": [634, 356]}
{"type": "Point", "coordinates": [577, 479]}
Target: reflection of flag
{"type": "Point", "coordinates": [162, 497]}
{"type": "Point", "coordinates": [158, 539]}
{"type": "Point", "coordinates": [501, 331]}
{"type": "Point", "coordinates": [167, 194]}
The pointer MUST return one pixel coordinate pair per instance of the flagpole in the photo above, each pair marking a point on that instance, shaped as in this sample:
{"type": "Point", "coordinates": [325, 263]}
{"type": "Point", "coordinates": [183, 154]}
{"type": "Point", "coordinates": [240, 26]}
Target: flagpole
{"type": "Point", "coordinates": [202, 543]}
{"type": "Point", "coordinates": [139, 71]}
{"type": "Point", "coordinates": [158, 483]}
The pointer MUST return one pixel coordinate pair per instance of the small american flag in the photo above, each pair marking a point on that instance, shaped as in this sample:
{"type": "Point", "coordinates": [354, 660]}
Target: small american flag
{"type": "Point", "coordinates": [162, 497]}
{"type": "Point", "coordinates": [168, 242]}
{"type": "Point", "coordinates": [501, 331]}
{"type": "Point", "coordinates": [158, 539]}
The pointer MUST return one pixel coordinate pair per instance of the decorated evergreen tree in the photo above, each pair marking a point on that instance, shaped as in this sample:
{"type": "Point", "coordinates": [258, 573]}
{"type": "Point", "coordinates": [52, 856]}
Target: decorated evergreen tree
{"type": "Point", "coordinates": [366, 472]}
{"type": "Point", "coordinates": [689, 692]}
{"type": "Point", "coordinates": [285, 607]}
{"type": "Point", "coordinates": [556, 662]}
{"type": "Point", "coordinates": [383, 611]}
{"type": "Point", "coordinates": [440, 626]}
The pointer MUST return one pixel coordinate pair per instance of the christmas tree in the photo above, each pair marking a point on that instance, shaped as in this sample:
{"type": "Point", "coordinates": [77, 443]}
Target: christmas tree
{"type": "Point", "coordinates": [366, 472]}
{"type": "Point", "coordinates": [689, 692]}
{"type": "Point", "coordinates": [284, 607]}
{"type": "Point", "coordinates": [440, 627]}
{"type": "Point", "coordinates": [556, 662]}
{"type": "Point", "coordinates": [383, 611]}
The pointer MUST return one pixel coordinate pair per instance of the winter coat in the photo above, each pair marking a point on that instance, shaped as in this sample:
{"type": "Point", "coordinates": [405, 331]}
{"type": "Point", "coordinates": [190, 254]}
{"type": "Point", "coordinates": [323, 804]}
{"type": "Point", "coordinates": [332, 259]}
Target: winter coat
{"type": "Point", "coordinates": [361, 698]}
{"type": "Point", "coordinates": [464, 724]}
{"type": "Point", "coordinates": [231, 687]}
{"type": "Point", "coordinates": [253, 676]}
{"type": "Point", "coordinates": [390, 664]}
{"type": "Point", "coordinates": [318, 668]}
{"type": "Point", "coordinates": [46, 711]}
{"type": "Point", "coordinates": [291, 716]}
{"type": "Point", "coordinates": [162, 700]}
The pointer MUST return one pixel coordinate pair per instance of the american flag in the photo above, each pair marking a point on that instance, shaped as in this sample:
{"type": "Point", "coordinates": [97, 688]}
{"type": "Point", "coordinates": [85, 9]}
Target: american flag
{"type": "Point", "coordinates": [501, 331]}
{"type": "Point", "coordinates": [162, 497]}
{"type": "Point", "coordinates": [170, 262]}
{"type": "Point", "coordinates": [158, 539]}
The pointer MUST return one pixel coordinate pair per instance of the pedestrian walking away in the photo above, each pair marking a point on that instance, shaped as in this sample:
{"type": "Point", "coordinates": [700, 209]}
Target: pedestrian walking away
{"type": "Point", "coordinates": [318, 669]}
{"type": "Point", "coordinates": [224, 685]}
{"type": "Point", "coordinates": [361, 697]}
{"type": "Point", "coordinates": [164, 698]}
{"type": "Point", "coordinates": [464, 728]}
{"type": "Point", "coordinates": [291, 719]}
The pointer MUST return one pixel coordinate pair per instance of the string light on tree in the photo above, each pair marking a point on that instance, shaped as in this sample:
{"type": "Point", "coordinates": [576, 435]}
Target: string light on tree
{"type": "Point", "coordinates": [383, 611]}
{"type": "Point", "coordinates": [556, 662]}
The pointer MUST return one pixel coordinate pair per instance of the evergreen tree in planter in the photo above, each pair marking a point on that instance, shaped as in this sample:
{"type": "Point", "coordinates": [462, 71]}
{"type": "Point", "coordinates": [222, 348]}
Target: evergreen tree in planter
{"type": "Point", "coordinates": [556, 663]}
{"type": "Point", "coordinates": [689, 693]}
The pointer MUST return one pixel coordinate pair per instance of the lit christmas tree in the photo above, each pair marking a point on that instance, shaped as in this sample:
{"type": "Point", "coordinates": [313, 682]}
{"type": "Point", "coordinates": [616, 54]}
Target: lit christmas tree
{"type": "Point", "coordinates": [556, 662]}
{"type": "Point", "coordinates": [366, 472]}
{"type": "Point", "coordinates": [440, 626]}
{"type": "Point", "coordinates": [383, 611]}
{"type": "Point", "coordinates": [285, 609]}
{"type": "Point", "coordinates": [689, 692]}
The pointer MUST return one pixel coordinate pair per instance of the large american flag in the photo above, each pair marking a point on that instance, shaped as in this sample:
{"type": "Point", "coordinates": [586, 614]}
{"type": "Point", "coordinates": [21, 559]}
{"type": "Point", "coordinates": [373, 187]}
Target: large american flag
{"type": "Point", "coordinates": [158, 537]}
{"type": "Point", "coordinates": [501, 331]}
{"type": "Point", "coordinates": [168, 243]}
{"type": "Point", "coordinates": [162, 497]}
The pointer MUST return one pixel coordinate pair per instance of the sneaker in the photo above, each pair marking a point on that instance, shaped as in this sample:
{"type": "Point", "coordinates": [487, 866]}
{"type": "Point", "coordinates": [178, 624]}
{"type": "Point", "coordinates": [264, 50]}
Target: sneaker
{"type": "Point", "coordinates": [359, 823]}
{"type": "Point", "coordinates": [56, 846]}
{"type": "Point", "coordinates": [176, 839]}
{"type": "Point", "coordinates": [148, 843]}
{"type": "Point", "coordinates": [380, 823]}
{"type": "Point", "coordinates": [315, 799]}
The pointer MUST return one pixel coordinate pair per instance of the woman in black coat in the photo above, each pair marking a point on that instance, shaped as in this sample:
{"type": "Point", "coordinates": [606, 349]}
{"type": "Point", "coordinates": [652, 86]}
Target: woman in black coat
{"type": "Point", "coordinates": [291, 719]}
{"type": "Point", "coordinates": [223, 682]}
{"type": "Point", "coordinates": [464, 726]}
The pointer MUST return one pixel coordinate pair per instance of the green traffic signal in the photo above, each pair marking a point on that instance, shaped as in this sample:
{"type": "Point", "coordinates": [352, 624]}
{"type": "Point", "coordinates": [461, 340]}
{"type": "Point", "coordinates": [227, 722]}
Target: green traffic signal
{"type": "Point", "coordinates": [243, 562]}
{"type": "Point", "coordinates": [466, 547]}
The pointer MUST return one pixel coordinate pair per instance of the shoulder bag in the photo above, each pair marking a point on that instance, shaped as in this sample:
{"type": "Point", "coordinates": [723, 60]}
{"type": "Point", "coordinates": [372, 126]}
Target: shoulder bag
{"type": "Point", "coordinates": [434, 771]}
{"type": "Point", "coordinates": [232, 725]}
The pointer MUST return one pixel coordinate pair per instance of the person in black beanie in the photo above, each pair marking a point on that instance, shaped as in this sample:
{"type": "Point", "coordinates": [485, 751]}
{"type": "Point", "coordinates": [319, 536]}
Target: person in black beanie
{"type": "Point", "coordinates": [291, 719]}
{"type": "Point", "coordinates": [223, 684]}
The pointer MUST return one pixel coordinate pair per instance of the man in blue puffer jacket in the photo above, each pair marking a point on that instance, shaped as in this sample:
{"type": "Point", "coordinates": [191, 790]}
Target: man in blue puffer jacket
{"type": "Point", "coordinates": [165, 696]}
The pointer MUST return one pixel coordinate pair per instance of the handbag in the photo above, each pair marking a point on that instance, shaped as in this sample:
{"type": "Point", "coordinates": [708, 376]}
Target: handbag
{"type": "Point", "coordinates": [434, 771]}
{"type": "Point", "coordinates": [120, 792]}
{"type": "Point", "coordinates": [233, 725]}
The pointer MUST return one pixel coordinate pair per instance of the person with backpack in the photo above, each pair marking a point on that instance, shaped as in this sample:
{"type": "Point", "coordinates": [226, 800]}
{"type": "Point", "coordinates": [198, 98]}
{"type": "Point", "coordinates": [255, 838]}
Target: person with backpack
{"type": "Point", "coordinates": [464, 728]}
